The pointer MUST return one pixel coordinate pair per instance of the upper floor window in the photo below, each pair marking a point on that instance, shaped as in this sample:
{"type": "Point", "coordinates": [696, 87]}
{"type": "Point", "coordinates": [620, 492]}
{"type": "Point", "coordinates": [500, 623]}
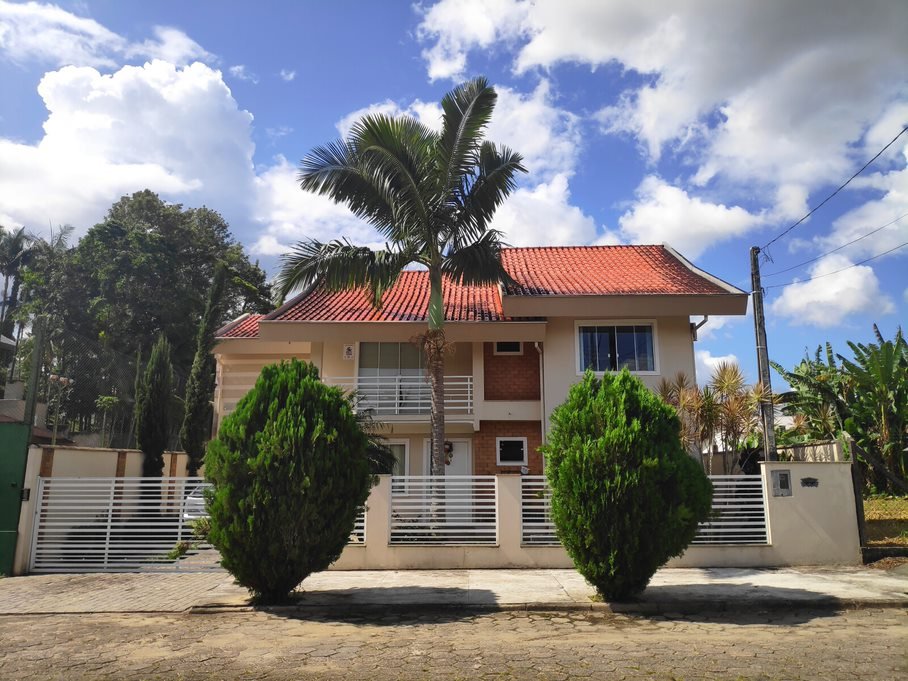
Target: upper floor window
{"type": "Point", "coordinates": [508, 348]}
{"type": "Point", "coordinates": [612, 347]}
{"type": "Point", "coordinates": [390, 359]}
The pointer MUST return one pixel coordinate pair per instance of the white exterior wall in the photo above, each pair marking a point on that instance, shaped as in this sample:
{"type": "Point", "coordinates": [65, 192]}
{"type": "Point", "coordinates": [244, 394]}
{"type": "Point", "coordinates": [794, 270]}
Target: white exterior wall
{"type": "Point", "coordinates": [814, 526]}
{"type": "Point", "coordinates": [674, 350]}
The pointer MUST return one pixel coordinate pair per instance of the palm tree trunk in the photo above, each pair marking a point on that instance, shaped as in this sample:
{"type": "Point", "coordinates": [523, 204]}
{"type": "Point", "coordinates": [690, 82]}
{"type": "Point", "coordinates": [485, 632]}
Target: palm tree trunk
{"type": "Point", "coordinates": [435, 366]}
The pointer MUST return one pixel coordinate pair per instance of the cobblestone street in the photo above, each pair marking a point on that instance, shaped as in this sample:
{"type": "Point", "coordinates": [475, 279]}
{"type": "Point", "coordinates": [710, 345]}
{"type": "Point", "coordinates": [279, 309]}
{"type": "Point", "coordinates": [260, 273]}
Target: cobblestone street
{"type": "Point", "coordinates": [858, 644]}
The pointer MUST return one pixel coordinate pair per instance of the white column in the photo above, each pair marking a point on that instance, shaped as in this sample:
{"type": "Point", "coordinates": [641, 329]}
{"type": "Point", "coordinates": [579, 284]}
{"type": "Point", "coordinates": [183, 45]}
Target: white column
{"type": "Point", "coordinates": [507, 500]}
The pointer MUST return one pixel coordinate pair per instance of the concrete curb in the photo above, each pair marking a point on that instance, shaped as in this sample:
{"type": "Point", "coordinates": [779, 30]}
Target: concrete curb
{"type": "Point", "coordinates": [668, 608]}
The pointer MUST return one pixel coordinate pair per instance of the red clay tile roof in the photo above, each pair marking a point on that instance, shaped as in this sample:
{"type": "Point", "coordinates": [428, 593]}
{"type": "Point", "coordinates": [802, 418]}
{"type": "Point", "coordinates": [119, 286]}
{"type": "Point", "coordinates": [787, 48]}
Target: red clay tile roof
{"type": "Point", "coordinates": [244, 327]}
{"type": "Point", "coordinates": [602, 270]}
{"type": "Point", "coordinates": [545, 271]}
{"type": "Point", "coordinates": [406, 301]}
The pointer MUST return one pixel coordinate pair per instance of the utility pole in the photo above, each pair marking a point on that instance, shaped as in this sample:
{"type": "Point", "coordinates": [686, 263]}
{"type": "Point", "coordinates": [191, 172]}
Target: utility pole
{"type": "Point", "coordinates": [766, 407]}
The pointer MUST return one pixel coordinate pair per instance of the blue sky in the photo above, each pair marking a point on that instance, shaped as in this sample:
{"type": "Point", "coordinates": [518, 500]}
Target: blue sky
{"type": "Point", "coordinates": [710, 126]}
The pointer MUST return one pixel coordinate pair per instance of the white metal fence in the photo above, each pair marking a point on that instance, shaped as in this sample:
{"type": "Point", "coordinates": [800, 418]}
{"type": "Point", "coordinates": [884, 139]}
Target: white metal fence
{"type": "Point", "coordinates": [444, 509]}
{"type": "Point", "coordinates": [118, 524]}
{"type": "Point", "coordinates": [537, 528]}
{"type": "Point", "coordinates": [125, 525]}
{"type": "Point", "coordinates": [406, 395]}
{"type": "Point", "coordinates": [739, 512]}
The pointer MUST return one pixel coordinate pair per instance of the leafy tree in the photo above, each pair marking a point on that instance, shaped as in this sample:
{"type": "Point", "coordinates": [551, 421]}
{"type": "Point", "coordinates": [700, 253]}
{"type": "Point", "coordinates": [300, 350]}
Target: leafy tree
{"type": "Point", "coordinates": [153, 398]}
{"type": "Point", "coordinates": [626, 496]}
{"type": "Point", "coordinates": [819, 395]}
{"type": "Point", "coordinates": [865, 395]}
{"type": "Point", "coordinates": [431, 195]}
{"type": "Point", "coordinates": [290, 470]}
{"type": "Point", "coordinates": [879, 411]}
{"type": "Point", "coordinates": [200, 386]}
{"type": "Point", "coordinates": [143, 271]}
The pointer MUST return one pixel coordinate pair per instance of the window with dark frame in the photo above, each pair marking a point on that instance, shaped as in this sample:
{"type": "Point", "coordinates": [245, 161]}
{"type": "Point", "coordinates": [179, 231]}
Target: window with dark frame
{"type": "Point", "coordinates": [613, 348]}
{"type": "Point", "coordinates": [512, 451]}
{"type": "Point", "coordinates": [508, 348]}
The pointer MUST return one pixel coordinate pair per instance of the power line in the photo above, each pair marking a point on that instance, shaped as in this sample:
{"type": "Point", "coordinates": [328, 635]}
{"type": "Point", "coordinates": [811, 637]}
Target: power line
{"type": "Point", "coordinates": [847, 182]}
{"type": "Point", "coordinates": [836, 250]}
{"type": "Point", "coordinates": [829, 274]}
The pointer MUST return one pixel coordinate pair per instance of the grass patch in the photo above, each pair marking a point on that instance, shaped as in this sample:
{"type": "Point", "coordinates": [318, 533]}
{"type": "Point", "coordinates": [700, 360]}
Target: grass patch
{"type": "Point", "coordinates": [887, 521]}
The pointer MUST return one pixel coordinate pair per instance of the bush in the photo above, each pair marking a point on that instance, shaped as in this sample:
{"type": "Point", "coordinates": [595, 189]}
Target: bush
{"type": "Point", "coordinates": [626, 497]}
{"type": "Point", "coordinates": [289, 470]}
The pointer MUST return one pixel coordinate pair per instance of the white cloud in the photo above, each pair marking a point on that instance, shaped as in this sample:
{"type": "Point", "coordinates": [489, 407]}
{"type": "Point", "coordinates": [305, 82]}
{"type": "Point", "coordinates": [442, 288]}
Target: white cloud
{"type": "Point", "coordinates": [427, 113]}
{"type": "Point", "coordinates": [289, 214]}
{"type": "Point", "coordinates": [287, 74]}
{"type": "Point", "coordinates": [828, 301]}
{"type": "Point", "coordinates": [890, 209]}
{"type": "Point", "coordinates": [242, 73]}
{"type": "Point", "coordinates": [275, 134]}
{"type": "Point", "coordinates": [459, 25]}
{"type": "Point", "coordinates": [172, 45]}
{"type": "Point", "coordinates": [665, 213]}
{"type": "Point", "coordinates": [45, 33]}
{"type": "Point", "coordinates": [753, 93]}
{"type": "Point", "coordinates": [706, 362]}
{"type": "Point", "coordinates": [175, 130]}
{"type": "Point", "coordinates": [32, 31]}
{"type": "Point", "coordinates": [714, 325]}
{"type": "Point", "coordinates": [548, 137]}
{"type": "Point", "coordinates": [543, 216]}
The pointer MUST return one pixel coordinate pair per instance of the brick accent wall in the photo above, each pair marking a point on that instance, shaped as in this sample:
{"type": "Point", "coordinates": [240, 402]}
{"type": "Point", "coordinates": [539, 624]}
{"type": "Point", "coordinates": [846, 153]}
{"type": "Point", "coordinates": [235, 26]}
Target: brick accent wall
{"type": "Point", "coordinates": [511, 377]}
{"type": "Point", "coordinates": [484, 454]}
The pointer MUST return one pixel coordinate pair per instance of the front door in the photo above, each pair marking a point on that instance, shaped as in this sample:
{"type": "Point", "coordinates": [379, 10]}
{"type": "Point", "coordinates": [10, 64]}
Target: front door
{"type": "Point", "coordinates": [461, 458]}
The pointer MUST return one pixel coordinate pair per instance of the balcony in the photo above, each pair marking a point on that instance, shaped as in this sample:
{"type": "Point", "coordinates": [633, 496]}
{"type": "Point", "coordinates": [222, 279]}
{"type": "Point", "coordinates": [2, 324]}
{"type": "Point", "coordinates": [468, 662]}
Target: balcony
{"type": "Point", "coordinates": [406, 395]}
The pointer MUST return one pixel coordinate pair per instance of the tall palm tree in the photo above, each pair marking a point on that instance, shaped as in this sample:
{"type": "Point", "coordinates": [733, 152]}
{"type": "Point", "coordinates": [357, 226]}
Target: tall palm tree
{"type": "Point", "coordinates": [431, 195]}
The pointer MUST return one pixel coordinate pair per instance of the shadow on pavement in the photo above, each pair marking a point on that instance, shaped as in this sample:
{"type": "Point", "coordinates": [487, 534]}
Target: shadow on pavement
{"type": "Point", "coordinates": [741, 603]}
{"type": "Point", "coordinates": [391, 605]}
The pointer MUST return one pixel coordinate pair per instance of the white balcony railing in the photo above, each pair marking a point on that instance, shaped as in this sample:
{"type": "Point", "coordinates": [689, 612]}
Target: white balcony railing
{"type": "Point", "coordinates": [406, 395]}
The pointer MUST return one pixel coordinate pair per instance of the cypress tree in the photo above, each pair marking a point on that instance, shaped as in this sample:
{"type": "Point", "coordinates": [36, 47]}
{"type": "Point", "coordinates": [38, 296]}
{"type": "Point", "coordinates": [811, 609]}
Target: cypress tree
{"type": "Point", "coordinates": [153, 409]}
{"type": "Point", "coordinates": [200, 386]}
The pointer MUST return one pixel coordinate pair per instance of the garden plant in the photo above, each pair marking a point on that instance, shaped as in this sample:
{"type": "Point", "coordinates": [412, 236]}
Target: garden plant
{"type": "Point", "coordinates": [626, 497]}
{"type": "Point", "coordinates": [290, 471]}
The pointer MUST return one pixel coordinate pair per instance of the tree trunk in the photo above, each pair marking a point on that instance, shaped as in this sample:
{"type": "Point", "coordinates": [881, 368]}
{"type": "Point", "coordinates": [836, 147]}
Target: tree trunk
{"type": "Point", "coordinates": [435, 367]}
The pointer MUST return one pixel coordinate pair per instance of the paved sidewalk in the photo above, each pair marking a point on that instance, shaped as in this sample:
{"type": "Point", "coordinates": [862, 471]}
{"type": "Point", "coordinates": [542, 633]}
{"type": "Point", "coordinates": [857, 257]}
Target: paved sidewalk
{"type": "Point", "coordinates": [671, 591]}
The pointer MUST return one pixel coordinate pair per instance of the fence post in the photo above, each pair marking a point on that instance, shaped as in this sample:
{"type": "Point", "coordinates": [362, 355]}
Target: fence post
{"type": "Point", "coordinates": [857, 482]}
{"type": "Point", "coordinates": [110, 506]}
{"type": "Point", "coordinates": [508, 512]}
{"type": "Point", "coordinates": [378, 518]}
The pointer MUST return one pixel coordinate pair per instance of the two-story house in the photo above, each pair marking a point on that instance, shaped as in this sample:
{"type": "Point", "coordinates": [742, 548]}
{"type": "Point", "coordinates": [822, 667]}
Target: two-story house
{"type": "Point", "coordinates": [515, 351]}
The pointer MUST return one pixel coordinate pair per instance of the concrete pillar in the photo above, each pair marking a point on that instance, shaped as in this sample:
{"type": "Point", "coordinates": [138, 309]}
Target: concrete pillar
{"type": "Point", "coordinates": [479, 384]}
{"type": "Point", "coordinates": [507, 498]}
{"type": "Point", "coordinates": [378, 520]}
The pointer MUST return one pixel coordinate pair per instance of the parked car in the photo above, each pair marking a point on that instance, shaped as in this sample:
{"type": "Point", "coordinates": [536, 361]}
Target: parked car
{"type": "Point", "coordinates": [195, 505]}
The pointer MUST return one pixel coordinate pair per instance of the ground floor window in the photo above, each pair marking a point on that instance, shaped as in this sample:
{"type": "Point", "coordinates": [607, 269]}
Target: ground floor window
{"type": "Point", "coordinates": [511, 451]}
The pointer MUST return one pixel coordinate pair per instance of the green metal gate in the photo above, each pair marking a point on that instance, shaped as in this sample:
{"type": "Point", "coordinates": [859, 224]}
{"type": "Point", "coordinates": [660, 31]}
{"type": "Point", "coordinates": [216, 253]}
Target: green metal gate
{"type": "Point", "coordinates": [13, 456]}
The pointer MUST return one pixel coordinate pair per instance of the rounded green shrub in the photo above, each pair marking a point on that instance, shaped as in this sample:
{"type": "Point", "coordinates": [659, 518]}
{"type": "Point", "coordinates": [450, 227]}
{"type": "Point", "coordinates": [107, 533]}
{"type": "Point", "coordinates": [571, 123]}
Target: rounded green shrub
{"type": "Point", "coordinates": [290, 471]}
{"type": "Point", "coordinates": [626, 497]}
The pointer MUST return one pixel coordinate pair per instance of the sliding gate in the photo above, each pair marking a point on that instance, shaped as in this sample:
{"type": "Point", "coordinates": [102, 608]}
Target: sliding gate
{"type": "Point", "coordinates": [120, 525]}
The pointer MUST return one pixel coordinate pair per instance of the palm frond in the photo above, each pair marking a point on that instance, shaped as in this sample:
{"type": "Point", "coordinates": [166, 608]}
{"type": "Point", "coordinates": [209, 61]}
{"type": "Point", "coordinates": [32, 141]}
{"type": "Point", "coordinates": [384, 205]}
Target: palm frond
{"type": "Point", "coordinates": [495, 180]}
{"type": "Point", "coordinates": [333, 170]}
{"type": "Point", "coordinates": [397, 154]}
{"type": "Point", "coordinates": [478, 263]}
{"type": "Point", "coordinates": [467, 110]}
{"type": "Point", "coordinates": [338, 266]}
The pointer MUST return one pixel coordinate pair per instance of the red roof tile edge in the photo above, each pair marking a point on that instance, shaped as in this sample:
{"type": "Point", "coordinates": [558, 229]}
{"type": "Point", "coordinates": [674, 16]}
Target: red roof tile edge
{"type": "Point", "coordinates": [570, 271]}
